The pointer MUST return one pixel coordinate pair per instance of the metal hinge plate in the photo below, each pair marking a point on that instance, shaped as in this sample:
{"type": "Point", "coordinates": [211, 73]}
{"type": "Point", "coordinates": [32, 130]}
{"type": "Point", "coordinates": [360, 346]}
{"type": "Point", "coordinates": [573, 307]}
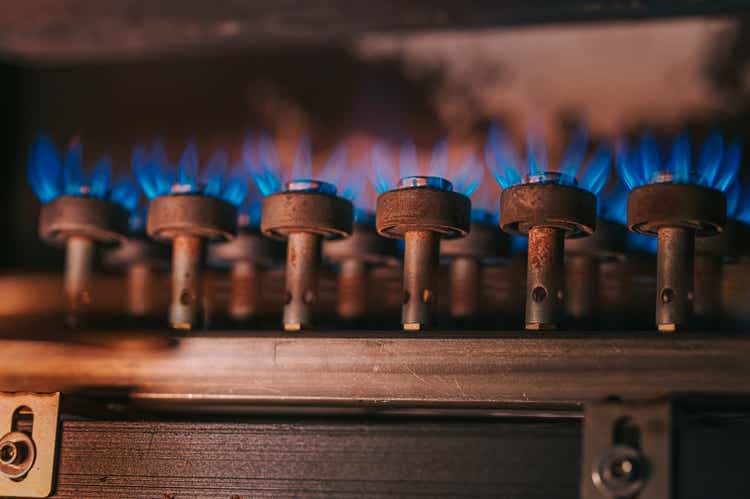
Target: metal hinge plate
{"type": "Point", "coordinates": [28, 443]}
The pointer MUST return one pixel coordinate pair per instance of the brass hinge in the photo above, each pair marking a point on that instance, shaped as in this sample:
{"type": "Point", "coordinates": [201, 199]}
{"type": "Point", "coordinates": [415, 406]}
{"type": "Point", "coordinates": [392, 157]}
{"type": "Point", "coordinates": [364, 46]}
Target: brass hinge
{"type": "Point", "coordinates": [28, 446]}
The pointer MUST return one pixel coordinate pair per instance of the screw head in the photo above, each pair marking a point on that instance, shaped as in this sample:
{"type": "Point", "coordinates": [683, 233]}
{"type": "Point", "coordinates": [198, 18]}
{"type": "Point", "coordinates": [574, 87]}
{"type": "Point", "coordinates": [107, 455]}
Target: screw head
{"type": "Point", "coordinates": [620, 472]}
{"type": "Point", "coordinates": [310, 185]}
{"type": "Point", "coordinates": [17, 454]}
{"type": "Point", "coordinates": [438, 183]}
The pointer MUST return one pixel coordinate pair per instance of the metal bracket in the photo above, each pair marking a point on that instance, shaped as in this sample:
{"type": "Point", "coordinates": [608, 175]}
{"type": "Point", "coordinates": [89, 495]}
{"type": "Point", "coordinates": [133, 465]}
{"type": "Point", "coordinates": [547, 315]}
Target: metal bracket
{"type": "Point", "coordinates": [627, 450]}
{"type": "Point", "coordinates": [28, 443]}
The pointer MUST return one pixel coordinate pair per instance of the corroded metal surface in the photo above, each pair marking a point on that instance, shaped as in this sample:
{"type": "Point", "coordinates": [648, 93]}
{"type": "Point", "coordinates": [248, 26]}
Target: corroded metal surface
{"type": "Point", "coordinates": [421, 260]}
{"type": "Point", "coordinates": [285, 213]}
{"type": "Point", "coordinates": [191, 214]}
{"type": "Point", "coordinates": [187, 263]}
{"type": "Point", "coordinates": [674, 278]}
{"type": "Point", "coordinates": [567, 208]}
{"type": "Point", "coordinates": [676, 205]}
{"type": "Point", "coordinates": [443, 212]}
{"type": "Point", "coordinates": [93, 218]}
{"type": "Point", "coordinates": [302, 265]}
{"type": "Point", "coordinates": [545, 278]}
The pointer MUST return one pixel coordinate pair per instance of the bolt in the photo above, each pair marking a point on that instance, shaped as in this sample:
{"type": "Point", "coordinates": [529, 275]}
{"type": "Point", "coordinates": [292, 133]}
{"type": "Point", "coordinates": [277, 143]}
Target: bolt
{"type": "Point", "coordinates": [621, 472]}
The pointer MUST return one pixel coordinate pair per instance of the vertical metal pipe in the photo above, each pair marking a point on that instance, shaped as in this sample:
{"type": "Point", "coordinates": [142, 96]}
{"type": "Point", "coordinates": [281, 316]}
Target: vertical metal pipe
{"type": "Point", "coordinates": [352, 289]}
{"type": "Point", "coordinates": [674, 277]}
{"type": "Point", "coordinates": [140, 282]}
{"type": "Point", "coordinates": [302, 263]}
{"type": "Point", "coordinates": [243, 303]}
{"type": "Point", "coordinates": [421, 258]}
{"type": "Point", "coordinates": [581, 286]}
{"type": "Point", "coordinates": [707, 280]}
{"type": "Point", "coordinates": [464, 293]}
{"type": "Point", "coordinates": [545, 278]}
{"type": "Point", "coordinates": [79, 254]}
{"type": "Point", "coordinates": [187, 254]}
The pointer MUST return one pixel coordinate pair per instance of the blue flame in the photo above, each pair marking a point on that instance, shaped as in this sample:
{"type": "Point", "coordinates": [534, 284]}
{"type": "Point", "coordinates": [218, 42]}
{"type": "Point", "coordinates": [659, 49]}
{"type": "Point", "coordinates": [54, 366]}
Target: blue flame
{"type": "Point", "coordinates": [485, 207]}
{"type": "Point", "coordinates": [385, 176]}
{"type": "Point", "coordinates": [51, 177]}
{"type": "Point", "coordinates": [717, 164]}
{"type": "Point", "coordinates": [469, 176]}
{"type": "Point", "coordinates": [334, 168]}
{"type": "Point", "coordinates": [738, 202]}
{"type": "Point", "coordinates": [158, 178]}
{"type": "Point", "coordinates": [262, 162]}
{"type": "Point", "coordinates": [506, 166]}
{"type": "Point", "coordinates": [614, 205]}
{"type": "Point", "coordinates": [125, 193]}
{"type": "Point", "coordinates": [45, 170]}
{"type": "Point", "coordinates": [519, 244]}
{"type": "Point", "coordinates": [641, 244]}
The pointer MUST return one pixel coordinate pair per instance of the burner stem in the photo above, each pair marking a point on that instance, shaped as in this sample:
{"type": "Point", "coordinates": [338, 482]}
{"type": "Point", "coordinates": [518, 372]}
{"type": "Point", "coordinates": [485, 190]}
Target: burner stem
{"type": "Point", "coordinates": [140, 282]}
{"type": "Point", "coordinates": [707, 281]}
{"type": "Point", "coordinates": [421, 257]}
{"type": "Point", "coordinates": [545, 278]}
{"type": "Point", "coordinates": [244, 302]}
{"type": "Point", "coordinates": [302, 262]}
{"type": "Point", "coordinates": [352, 289]}
{"type": "Point", "coordinates": [581, 286]}
{"type": "Point", "coordinates": [674, 277]}
{"type": "Point", "coordinates": [78, 260]}
{"type": "Point", "coordinates": [187, 256]}
{"type": "Point", "coordinates": [464, 282]}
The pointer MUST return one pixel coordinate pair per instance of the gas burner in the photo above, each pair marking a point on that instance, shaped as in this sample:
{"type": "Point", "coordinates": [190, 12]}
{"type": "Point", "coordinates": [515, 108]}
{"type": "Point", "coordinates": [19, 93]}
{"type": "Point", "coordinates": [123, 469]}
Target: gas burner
{"type": "Point", "coordinates": [687, 202]}
{"type": "Point", "coordinates": [187, 211]}
{"type": "Point", "coordinates": [549, 207]}
{"type": "Point", "coordinates": [305, 213]}
{"type": "Point", "coordinates": [422, 210]}
{"type": "Point", "coordinates": [80, 209]}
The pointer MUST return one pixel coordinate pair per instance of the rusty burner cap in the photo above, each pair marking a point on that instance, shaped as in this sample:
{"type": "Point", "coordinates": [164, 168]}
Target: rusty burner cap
{"type": "Point", "coordinates": [688, 206]}
{"type": "Point", "coordinates": [365, 245]}
{"type": "Point", "coordinates": [191, 214]}
{"type": "Point", "coordinates": [249, 246]}
{"type": "Point", "coordinates": [485, 242]}
{"type": "Point", "coordinates": [97, 219]}
{"type": "Point", "coordinates": [136, 249]}
{"type": "Point", "coordinates": [422, 208]}
{"type": "Point", "coordinates": [607, 242]}
{"type": "Point", "coordinates": [564, 207]}
{"type": "Point", "coordinates": [319, 213]}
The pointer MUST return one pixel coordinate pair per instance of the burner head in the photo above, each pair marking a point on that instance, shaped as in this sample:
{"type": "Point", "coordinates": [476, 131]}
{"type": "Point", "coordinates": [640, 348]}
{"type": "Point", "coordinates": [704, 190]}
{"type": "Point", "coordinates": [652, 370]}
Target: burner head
{"type": "Point", "coordinates": [484, 242]}
{"type": "Point", "coordinates": [309, 185]}
{"type": "Point", "coordinates": [687, 206]}
{"type": "Point", "coordinates": [607, 242]}
{"type": "Point", "coordinates": [422, 209]}
{"type": "Point", "coordinates": [326, 215]}
{"type": "Point", "coordinates": [364, 245]}
{"type": "Point", "coordinates": [568, 208]}
{"type": "Point", "coordinates": [248, 246]}
{"type": "Point", "coordinates": [95, 219]}
{"type": "Point", "coordinates": [191, 215]}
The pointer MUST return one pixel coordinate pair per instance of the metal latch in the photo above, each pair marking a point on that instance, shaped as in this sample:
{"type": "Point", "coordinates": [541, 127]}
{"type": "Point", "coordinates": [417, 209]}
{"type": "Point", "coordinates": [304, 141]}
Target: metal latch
{"type": "Point", "coordinates": [28, 445]}
{"type": "Point", "coordinates": [627, 450]}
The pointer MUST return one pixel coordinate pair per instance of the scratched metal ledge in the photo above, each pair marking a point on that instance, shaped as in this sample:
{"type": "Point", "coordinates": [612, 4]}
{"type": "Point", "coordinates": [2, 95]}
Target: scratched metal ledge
{"type": "Point", "coordinates": [356, 371]}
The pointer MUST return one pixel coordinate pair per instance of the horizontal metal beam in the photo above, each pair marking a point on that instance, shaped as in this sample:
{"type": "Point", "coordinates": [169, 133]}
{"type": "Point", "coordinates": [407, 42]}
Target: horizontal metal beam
{"type": "Point", "coordinates": [64, 30]}
{"type": "Point", "coordinates": [355, 371]}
